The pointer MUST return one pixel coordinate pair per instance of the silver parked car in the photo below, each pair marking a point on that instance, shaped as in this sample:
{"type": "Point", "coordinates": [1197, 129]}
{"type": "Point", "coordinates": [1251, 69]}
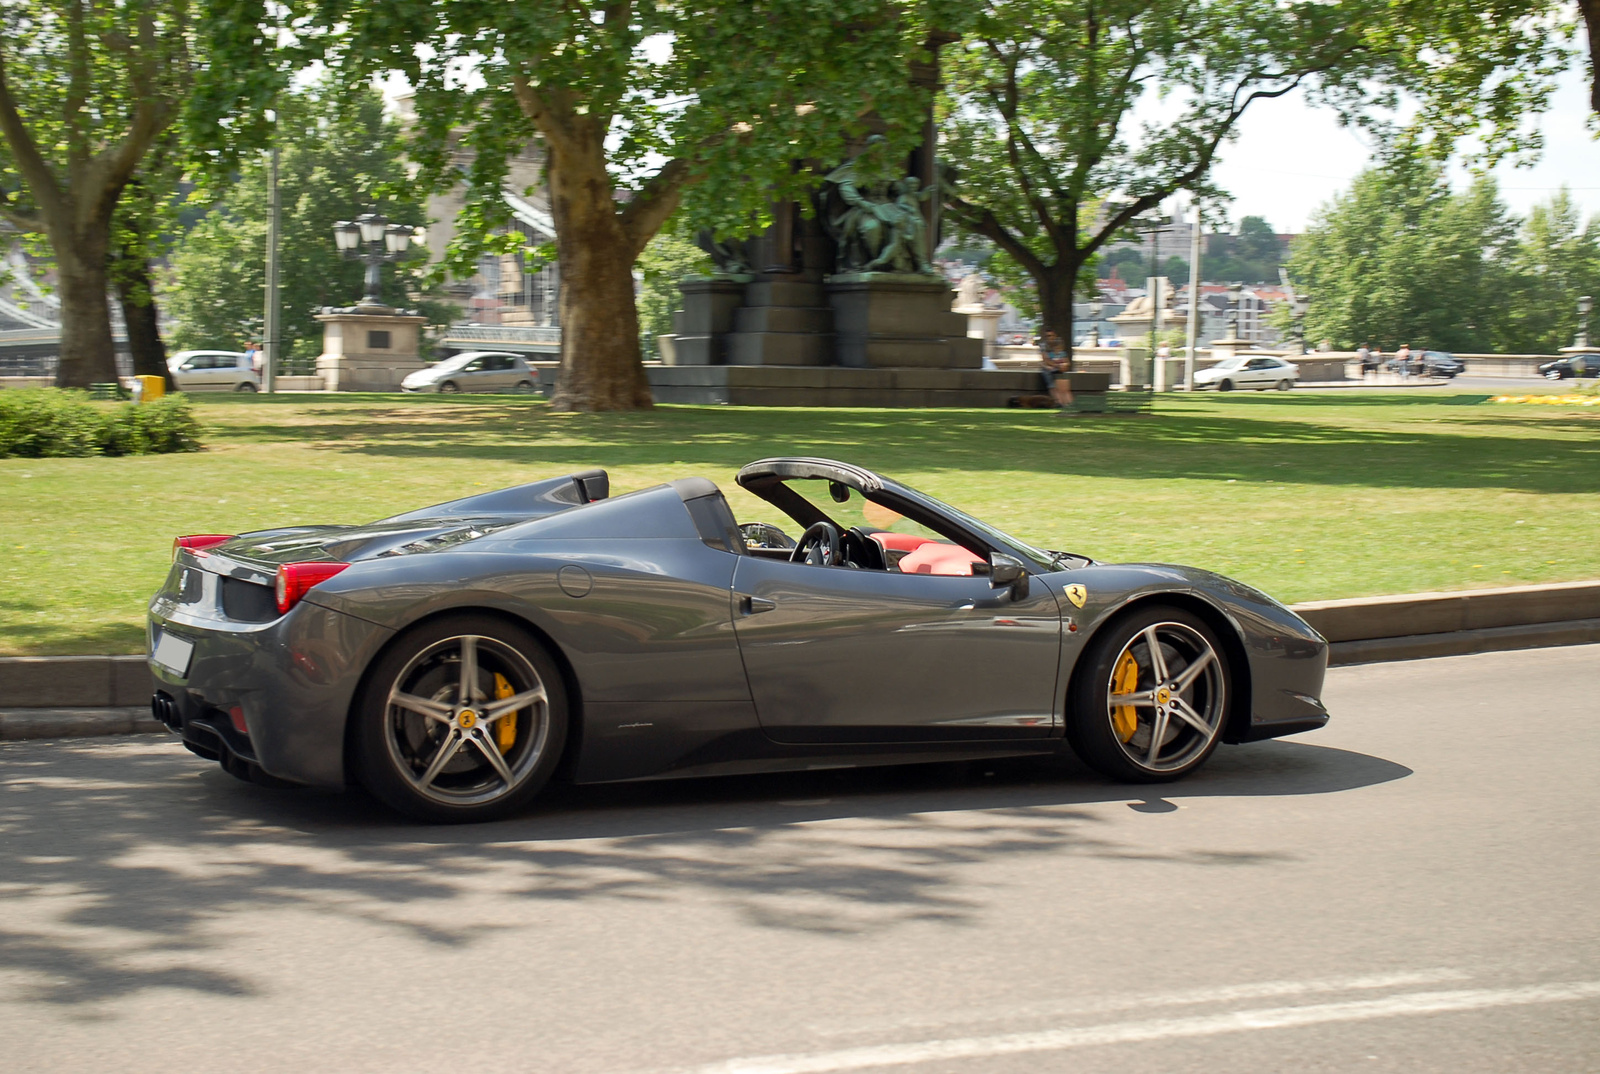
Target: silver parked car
{"type": "Point", "coordinates": [475, 371]}
{"type": "Point", "coordinates": [213, 371]}
{"type": "Point", "coordinates": [1247, 371]}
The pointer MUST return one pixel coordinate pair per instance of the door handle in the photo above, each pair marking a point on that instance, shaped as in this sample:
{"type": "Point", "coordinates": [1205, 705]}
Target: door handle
{"type": "Point", "coordinates": [755, 605]}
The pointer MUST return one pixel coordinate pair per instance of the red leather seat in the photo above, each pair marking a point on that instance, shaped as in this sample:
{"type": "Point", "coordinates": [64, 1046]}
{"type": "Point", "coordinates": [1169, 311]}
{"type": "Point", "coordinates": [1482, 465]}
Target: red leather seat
{"type": "Point", "coordinates": [900, 542]}
{"type": "Point", "coordinates": [936, 557]}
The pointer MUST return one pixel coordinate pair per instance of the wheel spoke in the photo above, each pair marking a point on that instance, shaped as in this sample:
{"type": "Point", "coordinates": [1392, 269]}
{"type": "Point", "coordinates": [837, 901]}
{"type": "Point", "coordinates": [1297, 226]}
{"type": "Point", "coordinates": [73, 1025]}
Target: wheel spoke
{"type": "Point", "coordinates": [447, 750]}
{"type": "Point", "coordinates": [1181, 709]}
{"type": "Point", "coordinates": [1143, 698]}
{"type": "Point", "coordinates": [1158, 731]}
{"type": "Point", "coordinates": [433, 710]}
{"type": "Point", "coordinates": [1157, 659]}
{"type": "Point", "coordinates": [506, 706]}
{"type": "Point", "coordinates": [1188, 675]}
{"type": "Point", "coordinates": [491, 753]}
{"type": "Point", "coordinates": [469, 691]}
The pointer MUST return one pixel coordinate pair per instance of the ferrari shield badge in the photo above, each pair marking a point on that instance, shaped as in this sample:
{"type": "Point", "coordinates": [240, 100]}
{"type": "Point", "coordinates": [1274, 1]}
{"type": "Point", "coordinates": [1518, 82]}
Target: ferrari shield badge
{"type": "Point", "coordinates": [1077, 594]}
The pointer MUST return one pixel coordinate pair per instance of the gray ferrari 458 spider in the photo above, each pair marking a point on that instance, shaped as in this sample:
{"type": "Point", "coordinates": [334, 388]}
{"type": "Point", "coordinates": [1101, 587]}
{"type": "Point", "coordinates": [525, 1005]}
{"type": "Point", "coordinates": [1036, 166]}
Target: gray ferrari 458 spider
{"type": "Point", "coordinates": [454, 659]}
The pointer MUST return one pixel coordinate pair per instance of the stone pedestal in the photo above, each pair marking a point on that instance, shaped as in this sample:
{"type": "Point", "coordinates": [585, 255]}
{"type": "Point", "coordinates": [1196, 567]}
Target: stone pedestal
{"type": "Point", "coordinates": [785, 320]}
{"type": "Point", "coordinates": [368, 348]}
{"type": "Point", "coordinates": [1222, 349]}
{"type": "Point", "coordinates": [893, 320]}
{"type": "Point", "coordinates": [702, 325]}
{"type": "Point", "coordinates": [982, 323]}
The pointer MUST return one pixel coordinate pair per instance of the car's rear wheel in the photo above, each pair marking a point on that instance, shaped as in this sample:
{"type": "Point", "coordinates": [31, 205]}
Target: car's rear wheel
{"type": "Point", "coordinates": [449, 387]}
{"type": "Point", "coordinates": [524, 387]}
{"type": "Point", "coordinates": [1225, 386]}
{"type": "Point", "coordinates": [1285, 385]}
{"type": "Point", "coordinates": [462, 719]}
{"type": "Point", "coordinates": [1150, 697]}
{"type": "Point", "coordinates": [246, 388]}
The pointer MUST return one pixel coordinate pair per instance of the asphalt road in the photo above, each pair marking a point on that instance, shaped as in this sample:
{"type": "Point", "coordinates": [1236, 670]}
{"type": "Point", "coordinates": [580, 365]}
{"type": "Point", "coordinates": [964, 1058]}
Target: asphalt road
{"type": "Point", "coordinates": [1411, 889]}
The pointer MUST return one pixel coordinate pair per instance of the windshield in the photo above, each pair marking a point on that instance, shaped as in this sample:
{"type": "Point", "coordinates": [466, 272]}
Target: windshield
{"type": "Point", "coordinates": [1229, 363]}
{"type": "Point", "coordinates": [876, 517]}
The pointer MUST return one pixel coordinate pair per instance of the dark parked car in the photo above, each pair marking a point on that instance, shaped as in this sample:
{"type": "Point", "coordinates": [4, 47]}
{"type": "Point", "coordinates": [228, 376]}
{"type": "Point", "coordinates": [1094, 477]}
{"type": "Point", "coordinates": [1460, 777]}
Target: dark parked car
{"type": "Point", "coordinates": [1573, 365]}
{"type": "Point", "coordinates": [455, 658]}
{"type": "Point", "coordinates": [1428, 364]}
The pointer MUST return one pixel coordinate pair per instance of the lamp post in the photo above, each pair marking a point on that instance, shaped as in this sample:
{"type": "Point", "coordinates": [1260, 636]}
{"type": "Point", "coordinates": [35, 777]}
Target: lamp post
{"type": "Point", "coordinates": [1585, 305]}
{"type": "Point", "coordinates": [1233, 309]}
{"type": "Point", "coordinates": [372, 239]}
{"type": "Point", "coordinates": [1095, 309]}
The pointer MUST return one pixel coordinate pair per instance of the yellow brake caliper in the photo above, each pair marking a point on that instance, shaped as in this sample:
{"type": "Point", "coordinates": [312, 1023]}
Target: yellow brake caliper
{"type": "Point", "coordinates": [1125, 680]}
{"type": "Point", "coordinates": [506, 732]}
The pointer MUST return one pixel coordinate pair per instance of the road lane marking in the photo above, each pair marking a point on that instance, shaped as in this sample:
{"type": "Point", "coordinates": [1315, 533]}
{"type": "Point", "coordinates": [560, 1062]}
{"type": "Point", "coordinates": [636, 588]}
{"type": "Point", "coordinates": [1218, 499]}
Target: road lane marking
{"type": "Point", "coordinates": [1137, 1001]}
{"type": "Point", "coordinates": [1406, 1003]}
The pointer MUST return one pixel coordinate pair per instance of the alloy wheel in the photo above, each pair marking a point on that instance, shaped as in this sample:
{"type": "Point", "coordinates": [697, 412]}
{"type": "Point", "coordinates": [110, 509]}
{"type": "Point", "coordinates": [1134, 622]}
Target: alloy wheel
{"type": "Point", "coordinates": [1166, 697]}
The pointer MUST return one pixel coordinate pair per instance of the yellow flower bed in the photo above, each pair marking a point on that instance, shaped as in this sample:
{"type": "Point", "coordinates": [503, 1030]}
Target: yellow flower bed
{"type": "Point", "coordinates": [1570, 399]}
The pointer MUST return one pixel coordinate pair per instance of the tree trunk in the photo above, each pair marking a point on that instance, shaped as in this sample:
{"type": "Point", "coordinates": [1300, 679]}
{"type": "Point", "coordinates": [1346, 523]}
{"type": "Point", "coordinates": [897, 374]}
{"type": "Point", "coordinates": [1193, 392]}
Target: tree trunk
{"type": "Point", "coordinates": [139, 312]}
{"type": "Point", "coordinates": [88, 355]}
{"type": "Point", "coordinates": [600, 355]}
{"type": "Point", "coordinates": [1055, 302]}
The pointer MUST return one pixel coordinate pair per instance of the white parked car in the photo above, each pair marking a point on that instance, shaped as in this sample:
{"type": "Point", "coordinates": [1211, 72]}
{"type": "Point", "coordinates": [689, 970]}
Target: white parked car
{"type": "Point", "coordinates": [1244, 371]}
{"type": "Point", "coordinates": [213, 371]}
{"type": "Point", "coordinates": [475, 371]}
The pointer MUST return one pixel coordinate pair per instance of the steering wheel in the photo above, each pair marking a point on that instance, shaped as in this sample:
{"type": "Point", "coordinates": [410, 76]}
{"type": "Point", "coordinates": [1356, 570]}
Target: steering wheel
{"type": "Point", "coordinates": [820, 545]}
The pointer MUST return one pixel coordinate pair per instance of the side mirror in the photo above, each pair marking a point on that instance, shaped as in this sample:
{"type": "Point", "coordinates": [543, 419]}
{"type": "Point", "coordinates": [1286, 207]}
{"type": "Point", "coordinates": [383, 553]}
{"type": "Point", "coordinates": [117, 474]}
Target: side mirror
{"type": "Point", "coordinates": [1005, 571]}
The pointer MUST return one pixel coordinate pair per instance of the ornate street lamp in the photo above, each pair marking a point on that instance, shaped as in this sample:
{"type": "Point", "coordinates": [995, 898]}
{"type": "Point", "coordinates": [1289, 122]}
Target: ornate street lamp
{"type": "Point", "coordinates": [1095, 309]}
{"type": "Point", "coordinates": [1585, 304]}
{"type": "Point", "coordinates": [372, 239]}
{"type": "Point", "coordinates": [1301, 306]}
{"type": "Point", "coordinates": [1233, 309]}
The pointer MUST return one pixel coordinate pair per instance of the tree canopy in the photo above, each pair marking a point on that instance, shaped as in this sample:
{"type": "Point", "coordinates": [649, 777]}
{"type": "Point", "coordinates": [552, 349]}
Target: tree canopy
{"type": "Point", "coordinates": [1400, 258]}
{"type": "Point", "coordinates": [635, 103]}
{"type": "Point", "coordinates": [1042, 96]}
{"type": "Point", "coordinates": [339, 156]}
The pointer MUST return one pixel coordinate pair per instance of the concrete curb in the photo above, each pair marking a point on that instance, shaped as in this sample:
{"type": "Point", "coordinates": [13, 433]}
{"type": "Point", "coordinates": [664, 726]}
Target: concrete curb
{"type": "Point", "coordinates": [76, 723]}
{"type": "Point", "coordinates": [69, 696]}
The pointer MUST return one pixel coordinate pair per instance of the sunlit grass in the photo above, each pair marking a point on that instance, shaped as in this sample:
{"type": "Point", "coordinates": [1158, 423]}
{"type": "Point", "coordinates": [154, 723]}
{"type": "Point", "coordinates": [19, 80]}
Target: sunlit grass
{"type": "Point", "coordinates": [1306, 496]}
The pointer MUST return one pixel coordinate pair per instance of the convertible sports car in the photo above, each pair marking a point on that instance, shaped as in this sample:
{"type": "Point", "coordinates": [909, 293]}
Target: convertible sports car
{"type": "Point", "coordinates": [456, 658]}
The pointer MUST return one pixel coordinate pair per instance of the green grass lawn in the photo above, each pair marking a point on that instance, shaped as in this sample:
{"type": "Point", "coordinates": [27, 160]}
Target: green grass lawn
{"type": "Point", "coordinates": [1304, 495]}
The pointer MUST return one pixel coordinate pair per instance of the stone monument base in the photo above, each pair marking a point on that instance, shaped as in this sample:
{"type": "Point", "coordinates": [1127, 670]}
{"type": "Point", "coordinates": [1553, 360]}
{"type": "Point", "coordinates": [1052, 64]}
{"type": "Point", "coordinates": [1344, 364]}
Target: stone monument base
{"type": "Point", "coordinates": [368, 348]}
{"type": "Point", "coordinates": [899, 320]}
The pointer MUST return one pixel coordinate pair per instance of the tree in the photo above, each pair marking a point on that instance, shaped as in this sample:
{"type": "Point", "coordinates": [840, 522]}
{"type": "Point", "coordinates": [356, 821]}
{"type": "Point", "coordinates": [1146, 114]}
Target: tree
{"type": "Point", "coordinates": [1039, 102]}
{"type": "Point", "coordinates": [339, 156]}
{"type": "Point", "coordinates": [635, 102]}
{"type": "Point", "coordinates": [1556, 260]}
{"type": "Point", "coordinates": [85, 90]}
{"type": "Point", "coordinates": [666, 260]}
{"type": "Point", "coordinates": [1252, 255]}
{"type": "Point", "coordinates": [1400, 259]}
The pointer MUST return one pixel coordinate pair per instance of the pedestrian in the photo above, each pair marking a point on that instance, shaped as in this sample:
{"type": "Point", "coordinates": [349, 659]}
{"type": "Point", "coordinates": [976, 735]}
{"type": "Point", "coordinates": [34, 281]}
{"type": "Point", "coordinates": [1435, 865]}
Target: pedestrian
{"type": "Point", "coordinates": [252, 351]}
{"type": "Point", "coordinates": [1056, 367]}
{"type": "Point", "coordinates": [1364, 357]}
{"type": "Point", "coordinates": [1402, 359]}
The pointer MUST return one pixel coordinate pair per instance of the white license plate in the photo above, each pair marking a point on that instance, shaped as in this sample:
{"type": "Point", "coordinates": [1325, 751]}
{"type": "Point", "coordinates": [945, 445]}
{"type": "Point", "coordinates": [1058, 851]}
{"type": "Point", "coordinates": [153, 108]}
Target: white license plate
{"type": "Point", "coordinates": [173, 653]}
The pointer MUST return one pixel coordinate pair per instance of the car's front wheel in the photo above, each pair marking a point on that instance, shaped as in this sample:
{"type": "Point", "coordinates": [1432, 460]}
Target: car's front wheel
{"type": "Point", "coordinates": [1224, 385]}
{"type": "Point", "coordinates": [449, 387]}
{"type": "Point", "coordinates": [462, 719]}
{"type": "Point", "coordinates": [1150, 696]}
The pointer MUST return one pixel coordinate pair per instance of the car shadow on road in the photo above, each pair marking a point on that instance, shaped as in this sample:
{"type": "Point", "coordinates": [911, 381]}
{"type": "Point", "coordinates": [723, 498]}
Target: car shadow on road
{"type": "Point", "coordinates": [126, 866]}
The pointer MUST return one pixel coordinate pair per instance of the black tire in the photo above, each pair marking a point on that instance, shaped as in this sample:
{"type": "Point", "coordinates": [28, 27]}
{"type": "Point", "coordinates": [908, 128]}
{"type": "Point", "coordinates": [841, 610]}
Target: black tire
{"type": "Point", "coordinates": [449, 387]}
{"type": "Point", "coordinates": [246, 388]}
{"type": "Point", "coordinates": [1098, 732]}
{"type": "Point", "coordinates": [525, 387]}
{"type": "Point", "coordinates": [436, 767]}
{"type": "Point", "coordinates": [1284, 385]}
{"type": "Point", "coordinates": [1225, 386]}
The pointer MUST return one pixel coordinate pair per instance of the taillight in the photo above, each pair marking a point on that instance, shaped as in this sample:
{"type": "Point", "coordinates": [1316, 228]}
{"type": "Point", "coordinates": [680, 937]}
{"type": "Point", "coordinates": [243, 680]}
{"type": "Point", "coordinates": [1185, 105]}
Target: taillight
{"type": "Point", "coordinates": [295, 578]}
{"type": "Point", "coordinates": [198, 542]}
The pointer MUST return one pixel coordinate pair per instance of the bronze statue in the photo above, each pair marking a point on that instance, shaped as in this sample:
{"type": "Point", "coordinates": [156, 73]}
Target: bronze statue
{"type": "Point", "coordinates": [731, 256]}
{"type": "Point", "coordinates": [880, 229]}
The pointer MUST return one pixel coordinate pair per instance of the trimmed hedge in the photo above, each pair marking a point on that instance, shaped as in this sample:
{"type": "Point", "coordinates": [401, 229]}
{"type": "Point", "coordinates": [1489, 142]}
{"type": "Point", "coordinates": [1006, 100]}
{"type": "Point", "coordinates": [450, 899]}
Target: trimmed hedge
{"type": "Point", "coordinates": [37, 423]}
